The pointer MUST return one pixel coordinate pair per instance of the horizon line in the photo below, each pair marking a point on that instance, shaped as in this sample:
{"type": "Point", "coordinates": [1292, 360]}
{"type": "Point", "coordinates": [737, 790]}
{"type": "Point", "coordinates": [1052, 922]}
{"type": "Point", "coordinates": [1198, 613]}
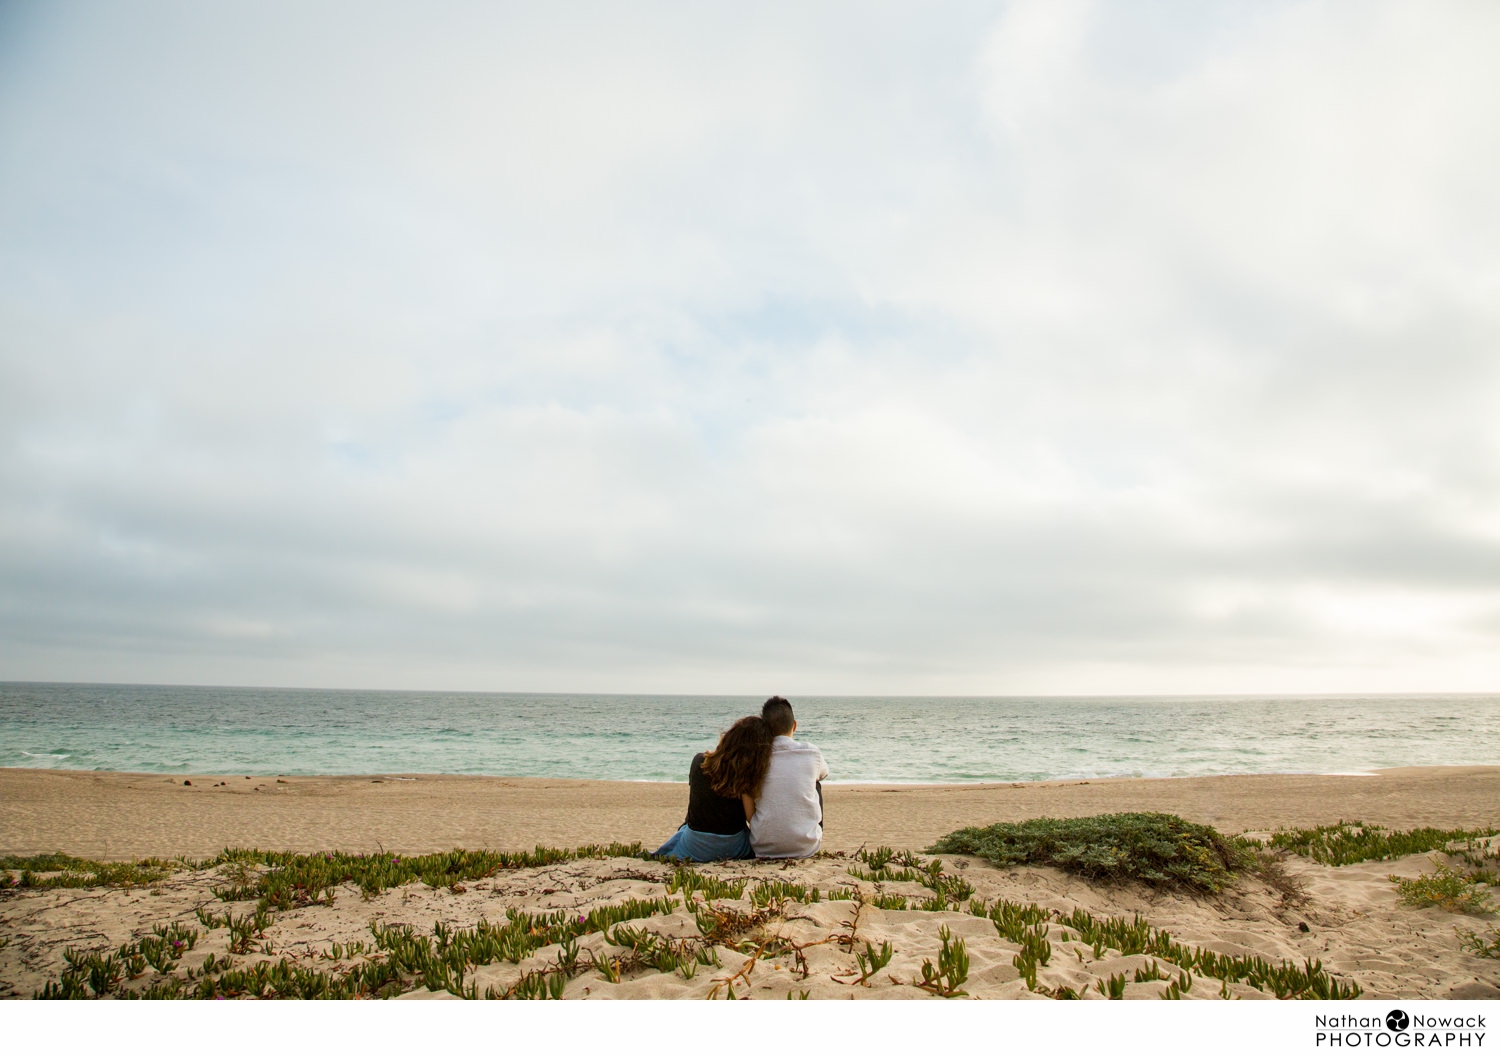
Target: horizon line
{"type": "Point", "coordinates": [805, 696]}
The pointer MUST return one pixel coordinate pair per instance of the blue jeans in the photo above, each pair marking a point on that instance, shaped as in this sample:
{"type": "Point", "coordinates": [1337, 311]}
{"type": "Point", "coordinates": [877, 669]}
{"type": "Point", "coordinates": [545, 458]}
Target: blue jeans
{"type": "Point", "coordinates": [697, 846]}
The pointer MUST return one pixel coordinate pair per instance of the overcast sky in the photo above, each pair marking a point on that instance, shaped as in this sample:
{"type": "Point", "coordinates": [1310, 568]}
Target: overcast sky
{"type": "Point", "coordinates": [1033, 347]}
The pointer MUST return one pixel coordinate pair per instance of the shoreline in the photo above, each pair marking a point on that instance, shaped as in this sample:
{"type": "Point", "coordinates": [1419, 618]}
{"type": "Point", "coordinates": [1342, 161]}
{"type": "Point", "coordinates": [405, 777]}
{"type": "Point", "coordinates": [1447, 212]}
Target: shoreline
{"type": "Point", "coordinates": [116, 815]}
{"type": "Point", "coordinates": [893, 782]}
{"type": "Point", "coordinates": [412, 775]}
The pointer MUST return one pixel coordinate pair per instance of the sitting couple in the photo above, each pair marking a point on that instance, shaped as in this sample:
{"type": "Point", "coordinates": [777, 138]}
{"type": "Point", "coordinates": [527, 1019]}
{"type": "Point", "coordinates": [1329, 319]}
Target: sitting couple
{"type": "Point", "coordinates": [759, 794]}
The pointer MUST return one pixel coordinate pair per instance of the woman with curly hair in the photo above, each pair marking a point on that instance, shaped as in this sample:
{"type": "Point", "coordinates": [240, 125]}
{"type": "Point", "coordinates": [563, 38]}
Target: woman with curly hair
{"type": "Point", "coordinates": [722, 785]}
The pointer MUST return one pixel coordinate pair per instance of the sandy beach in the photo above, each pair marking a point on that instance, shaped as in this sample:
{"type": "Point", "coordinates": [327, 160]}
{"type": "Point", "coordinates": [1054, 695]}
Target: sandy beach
{"type": "Point", "coordinates": [1348, 917]}
{"type": "Point", "coordinates": [120, 816]}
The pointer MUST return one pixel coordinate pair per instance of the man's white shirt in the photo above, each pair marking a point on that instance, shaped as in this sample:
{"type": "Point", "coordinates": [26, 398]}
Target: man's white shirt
{"type": "Point", "coordinates": [788, 819]}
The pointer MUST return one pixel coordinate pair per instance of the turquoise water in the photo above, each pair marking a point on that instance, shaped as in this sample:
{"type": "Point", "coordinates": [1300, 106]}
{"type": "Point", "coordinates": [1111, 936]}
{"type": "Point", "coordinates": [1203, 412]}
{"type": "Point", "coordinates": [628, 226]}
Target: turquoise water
{"type": "Point", "coordinates": [212, 730]}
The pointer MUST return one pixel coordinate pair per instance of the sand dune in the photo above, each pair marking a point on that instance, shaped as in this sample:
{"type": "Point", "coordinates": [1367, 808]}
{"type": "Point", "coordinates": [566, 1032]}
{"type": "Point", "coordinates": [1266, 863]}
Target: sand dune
{"type": "Point", "coordinates": [1353, 925]}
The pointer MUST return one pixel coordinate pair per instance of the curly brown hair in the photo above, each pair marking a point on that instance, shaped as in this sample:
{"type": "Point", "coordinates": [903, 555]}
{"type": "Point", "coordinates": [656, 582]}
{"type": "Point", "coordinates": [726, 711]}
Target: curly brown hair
{"type": "Point", "coordinates": [738, 765]}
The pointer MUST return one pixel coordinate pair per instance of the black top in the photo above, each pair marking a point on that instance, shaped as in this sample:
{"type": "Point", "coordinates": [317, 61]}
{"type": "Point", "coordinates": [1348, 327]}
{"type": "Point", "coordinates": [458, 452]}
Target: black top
{"type": "Point", "coordinates": [707, 810]}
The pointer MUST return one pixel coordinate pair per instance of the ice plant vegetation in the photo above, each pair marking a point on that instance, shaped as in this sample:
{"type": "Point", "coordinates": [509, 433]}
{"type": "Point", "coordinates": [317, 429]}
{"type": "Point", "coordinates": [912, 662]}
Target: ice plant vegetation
{"type": "Point", "coordinates": [1349, 842]}
{"type": "Point", "coordinates": [740, 920]}
{"type": "Point", "coordinates": [1157, 849]}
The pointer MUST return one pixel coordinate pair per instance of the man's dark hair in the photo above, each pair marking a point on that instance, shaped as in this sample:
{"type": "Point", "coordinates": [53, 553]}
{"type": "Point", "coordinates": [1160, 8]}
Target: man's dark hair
{"type": "Point", "coordinates": [778, 715]}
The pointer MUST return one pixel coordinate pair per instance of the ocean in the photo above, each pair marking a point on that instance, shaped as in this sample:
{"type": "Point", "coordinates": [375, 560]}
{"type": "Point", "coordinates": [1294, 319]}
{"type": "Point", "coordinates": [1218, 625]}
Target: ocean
{"type": "Point", "coordinates": [219, 730]}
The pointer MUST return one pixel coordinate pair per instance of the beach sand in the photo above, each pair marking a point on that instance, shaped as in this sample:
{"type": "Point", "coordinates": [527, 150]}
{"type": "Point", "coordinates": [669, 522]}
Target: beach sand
{"type": "Point", "coordinates": [121, 816]}
{"type": "Point", "coordinates": [1347, 917]}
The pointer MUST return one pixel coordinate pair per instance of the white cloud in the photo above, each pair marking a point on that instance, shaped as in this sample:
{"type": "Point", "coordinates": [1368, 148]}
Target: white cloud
{"type": "Point", "coordinates": [1042, 347]}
